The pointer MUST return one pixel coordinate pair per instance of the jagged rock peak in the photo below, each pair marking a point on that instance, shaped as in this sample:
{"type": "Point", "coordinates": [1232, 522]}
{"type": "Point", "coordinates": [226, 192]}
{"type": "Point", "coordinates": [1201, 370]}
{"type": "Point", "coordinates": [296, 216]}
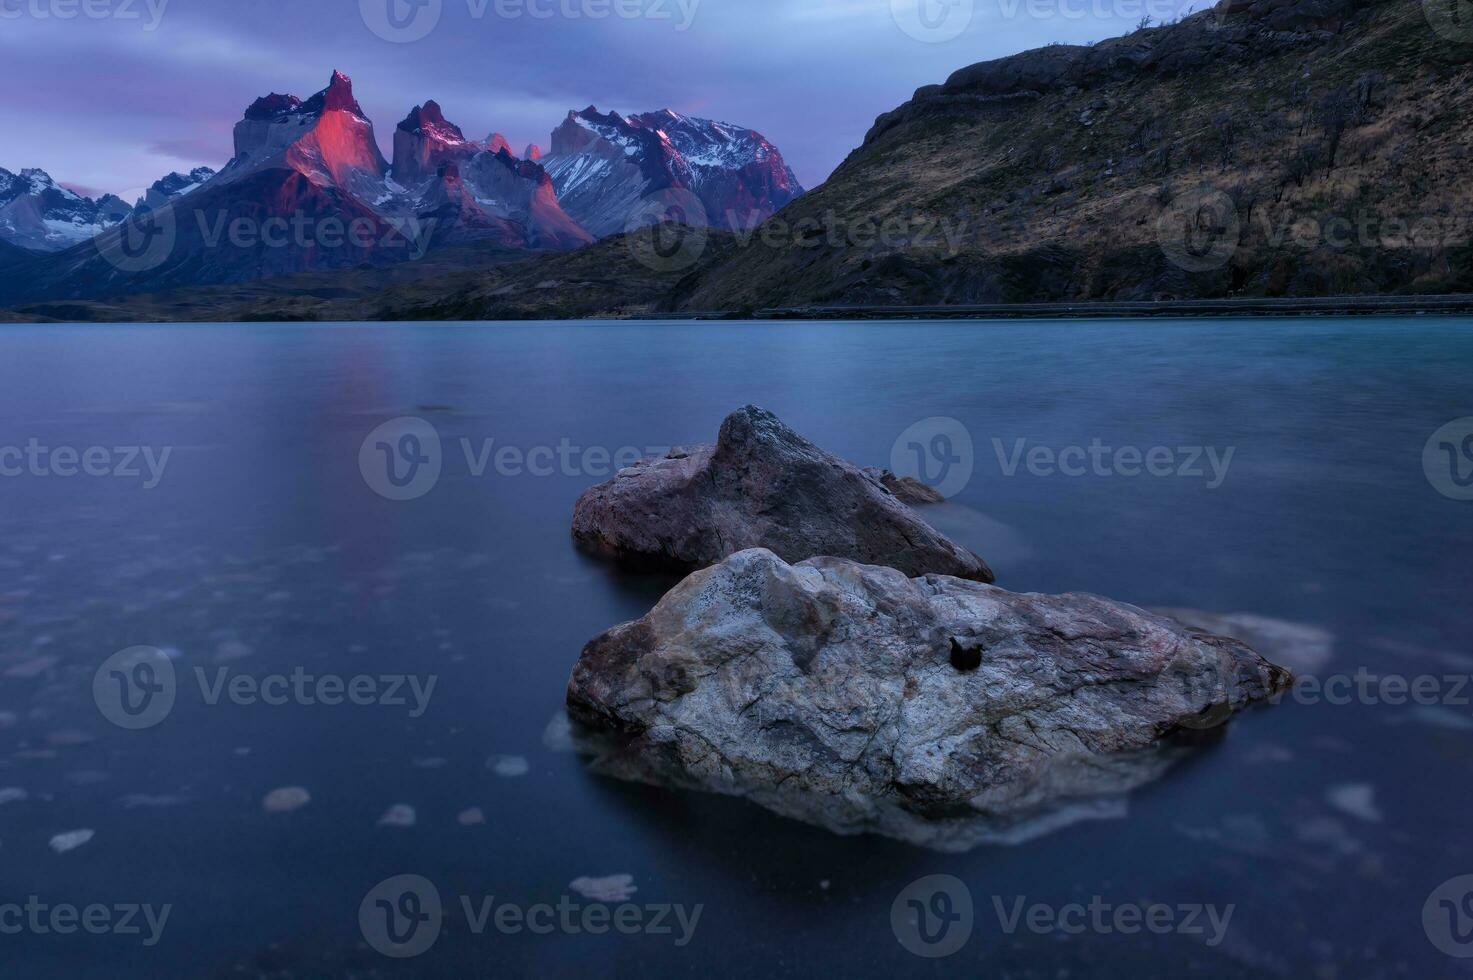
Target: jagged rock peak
{"type": "Point", "coordinates": [429, 120]}
{"type": "Point", "coordinates": [338, 96]}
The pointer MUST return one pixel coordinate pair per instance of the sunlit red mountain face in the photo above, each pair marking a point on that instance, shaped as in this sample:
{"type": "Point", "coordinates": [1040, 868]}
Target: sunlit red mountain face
{"type": "Point", "coordinates": [309, 189]}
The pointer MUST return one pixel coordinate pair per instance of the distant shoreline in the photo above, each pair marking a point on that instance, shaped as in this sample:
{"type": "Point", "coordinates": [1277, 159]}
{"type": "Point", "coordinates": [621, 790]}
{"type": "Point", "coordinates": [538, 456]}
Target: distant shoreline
{"type": "Point", "coordinates": [1458, 304]}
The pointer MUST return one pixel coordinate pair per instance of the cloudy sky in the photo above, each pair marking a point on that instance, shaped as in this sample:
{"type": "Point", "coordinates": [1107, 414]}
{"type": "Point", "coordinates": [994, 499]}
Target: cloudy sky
{"type": "Point", "coordinates": [108, 95]}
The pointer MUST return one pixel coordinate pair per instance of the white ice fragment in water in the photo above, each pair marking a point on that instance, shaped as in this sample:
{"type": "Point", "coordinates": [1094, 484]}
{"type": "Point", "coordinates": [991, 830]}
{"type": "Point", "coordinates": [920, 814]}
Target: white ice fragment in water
{"type": "Point", "coordinates": [509, 766]}
{"type": "Point", "coordinates": [13, 794]}
{"type": "Point", "coordinates": [1356, 799]}
{"type": "Point", "coordinates": [71, 840]}
{"type": "Point", "coordinates": [398, 815]}
{"type": "Point", "coordinates": [558, 735]}
{"type": "Point", "coordinates": [286, 799]}
{"type": "Point", "coordinates": [474, 817]}
{"type": "Point", "coordinates": [614, 888]}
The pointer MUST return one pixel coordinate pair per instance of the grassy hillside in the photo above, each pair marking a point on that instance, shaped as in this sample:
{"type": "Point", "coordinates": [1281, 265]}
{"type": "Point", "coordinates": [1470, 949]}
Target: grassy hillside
{"type": "Point", "coordinates": [1272, 149]}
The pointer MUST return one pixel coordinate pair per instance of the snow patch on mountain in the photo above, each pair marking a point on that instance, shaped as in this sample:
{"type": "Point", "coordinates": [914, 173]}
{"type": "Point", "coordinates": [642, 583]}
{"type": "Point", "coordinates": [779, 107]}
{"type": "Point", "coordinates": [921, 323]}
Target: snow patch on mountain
{"type": "Point", "coordinates": [39, 214]}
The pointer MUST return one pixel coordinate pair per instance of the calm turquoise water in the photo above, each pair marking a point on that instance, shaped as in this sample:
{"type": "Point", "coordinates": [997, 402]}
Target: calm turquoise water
{"type": "Point", "coordinates": [262, 549]}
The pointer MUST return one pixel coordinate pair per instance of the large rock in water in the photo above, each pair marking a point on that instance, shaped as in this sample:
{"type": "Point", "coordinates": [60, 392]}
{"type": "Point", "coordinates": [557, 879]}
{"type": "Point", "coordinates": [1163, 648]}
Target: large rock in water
{"type": "Point", "coordinates": [761, 486]}
{"type": "Point", "coordinates": [940, 711]}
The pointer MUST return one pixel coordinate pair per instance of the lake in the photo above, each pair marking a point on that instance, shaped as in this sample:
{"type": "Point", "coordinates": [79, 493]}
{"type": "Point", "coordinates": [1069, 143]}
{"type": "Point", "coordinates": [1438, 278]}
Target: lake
{"type": "Point", "coordinates": [219, 511]}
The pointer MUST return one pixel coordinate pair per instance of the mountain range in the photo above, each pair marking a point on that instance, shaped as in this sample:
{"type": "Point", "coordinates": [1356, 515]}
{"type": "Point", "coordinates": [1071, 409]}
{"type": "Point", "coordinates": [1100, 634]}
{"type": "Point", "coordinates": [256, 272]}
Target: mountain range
{"type": "Point", "coordinates": [1262, 149]}
{"type": "Point", "coordinates": [308, 189]}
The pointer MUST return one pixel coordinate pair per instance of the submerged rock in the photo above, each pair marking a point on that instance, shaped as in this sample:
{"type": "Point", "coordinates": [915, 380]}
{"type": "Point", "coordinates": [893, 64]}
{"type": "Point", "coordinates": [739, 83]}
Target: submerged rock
{"type": "Point", "coordinates": [933, 709]}
{"type": "Point", "coordinates": [761, 486]}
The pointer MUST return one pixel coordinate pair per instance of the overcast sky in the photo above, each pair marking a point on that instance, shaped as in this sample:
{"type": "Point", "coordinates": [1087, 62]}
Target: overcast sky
{"type": "Point", "coordinates": [123, 91]}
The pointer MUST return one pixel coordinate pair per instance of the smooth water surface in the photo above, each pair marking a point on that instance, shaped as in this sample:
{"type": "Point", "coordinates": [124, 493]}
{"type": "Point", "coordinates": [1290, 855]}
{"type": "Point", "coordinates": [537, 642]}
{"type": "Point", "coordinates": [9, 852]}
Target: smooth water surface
{"type": "Point", "coordinates": [263, 550]}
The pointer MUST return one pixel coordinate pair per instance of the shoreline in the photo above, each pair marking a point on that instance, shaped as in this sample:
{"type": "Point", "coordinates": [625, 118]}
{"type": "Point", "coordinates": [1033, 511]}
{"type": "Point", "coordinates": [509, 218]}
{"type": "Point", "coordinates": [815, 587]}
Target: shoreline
{"type": "Point", "coordinates": [1460, 304]}
{"type": "Point", "coordinates": [1456, 304]}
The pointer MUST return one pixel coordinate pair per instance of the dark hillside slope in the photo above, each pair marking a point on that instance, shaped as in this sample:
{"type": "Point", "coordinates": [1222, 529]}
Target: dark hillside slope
{"type": "Point", "coordinates": [1262, 149]}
